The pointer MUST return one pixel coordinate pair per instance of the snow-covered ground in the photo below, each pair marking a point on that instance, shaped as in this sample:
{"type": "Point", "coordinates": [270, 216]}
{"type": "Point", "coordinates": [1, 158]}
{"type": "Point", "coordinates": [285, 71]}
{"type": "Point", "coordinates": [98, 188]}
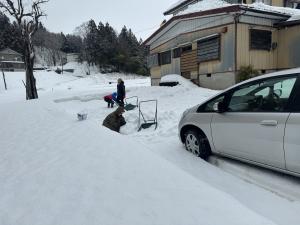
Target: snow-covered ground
{"type": "Point", "coordinates": [57, 170]}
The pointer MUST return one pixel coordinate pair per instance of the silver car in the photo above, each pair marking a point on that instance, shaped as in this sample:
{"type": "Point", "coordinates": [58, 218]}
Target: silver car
{"type": "Point", "coordinates": [257, 121]}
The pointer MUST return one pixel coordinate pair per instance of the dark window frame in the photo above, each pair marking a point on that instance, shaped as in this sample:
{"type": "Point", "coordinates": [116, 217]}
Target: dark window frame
{"type": "Point", "coordinates": [165, 58]}
{"type": "Point", "coordinates": [177, 53]}
{"type": "Point", "coordinates": [186, 49]}
{"type": "Point", "coordinates": [259, 43]}
{"type": "Point", "coordinates": [218, 56]}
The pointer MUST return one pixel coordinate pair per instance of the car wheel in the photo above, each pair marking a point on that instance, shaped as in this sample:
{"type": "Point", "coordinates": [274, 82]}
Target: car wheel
{"type": "Point", "coordinates": [197, 144]}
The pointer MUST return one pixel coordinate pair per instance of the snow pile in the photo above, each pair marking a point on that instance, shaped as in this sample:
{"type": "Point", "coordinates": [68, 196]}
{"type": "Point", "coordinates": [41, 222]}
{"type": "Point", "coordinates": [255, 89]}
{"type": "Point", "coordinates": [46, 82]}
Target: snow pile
{"type": "Point", "coordinates": [177, 78]}
{"type": "Point", "coordinates": [204, 5]}
{"type": "Point", "coordinates": [294, 13]}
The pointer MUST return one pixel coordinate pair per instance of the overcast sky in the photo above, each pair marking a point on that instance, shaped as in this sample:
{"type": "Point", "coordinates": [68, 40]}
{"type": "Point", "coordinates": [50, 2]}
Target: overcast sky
{"type": "Point", "coordinates": [143, 16]}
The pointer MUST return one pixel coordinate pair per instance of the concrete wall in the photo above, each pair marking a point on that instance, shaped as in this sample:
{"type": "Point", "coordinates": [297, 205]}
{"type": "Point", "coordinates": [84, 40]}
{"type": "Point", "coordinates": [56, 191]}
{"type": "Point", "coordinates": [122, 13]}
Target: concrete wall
{"type": "Point", "coordinates": [218, 81]}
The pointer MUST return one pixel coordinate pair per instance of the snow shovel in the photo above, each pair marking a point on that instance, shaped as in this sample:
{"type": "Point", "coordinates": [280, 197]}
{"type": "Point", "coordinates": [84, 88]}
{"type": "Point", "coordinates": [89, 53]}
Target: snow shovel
{"type": "Point", "coordinates": [147, 123]}
{"type": "Point", "coordinates": [131, 106]}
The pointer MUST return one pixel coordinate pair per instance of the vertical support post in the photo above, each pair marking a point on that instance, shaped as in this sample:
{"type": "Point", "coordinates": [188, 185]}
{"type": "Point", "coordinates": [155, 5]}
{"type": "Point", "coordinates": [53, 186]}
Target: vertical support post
{"type": "Point", "coordinates": [4, 79]}
{"type": "Point", "coordinates": [62, 65]}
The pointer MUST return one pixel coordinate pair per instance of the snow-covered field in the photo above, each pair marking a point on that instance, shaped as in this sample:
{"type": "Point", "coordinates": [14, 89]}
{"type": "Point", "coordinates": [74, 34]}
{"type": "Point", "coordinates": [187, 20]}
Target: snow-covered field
{"type": "Point", "coordinates": [57, 170]}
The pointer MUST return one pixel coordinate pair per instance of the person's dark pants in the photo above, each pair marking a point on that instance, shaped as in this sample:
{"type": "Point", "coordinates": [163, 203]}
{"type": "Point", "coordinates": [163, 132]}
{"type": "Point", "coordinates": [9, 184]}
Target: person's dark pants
{"type": "Point", "coordinates": [121, 102]}
{"type": "Point", "coordinates": [110, 102]}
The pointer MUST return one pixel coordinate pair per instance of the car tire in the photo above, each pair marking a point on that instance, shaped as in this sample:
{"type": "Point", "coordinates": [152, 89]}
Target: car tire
{"type": "Point", "coordinates": [197, 144]}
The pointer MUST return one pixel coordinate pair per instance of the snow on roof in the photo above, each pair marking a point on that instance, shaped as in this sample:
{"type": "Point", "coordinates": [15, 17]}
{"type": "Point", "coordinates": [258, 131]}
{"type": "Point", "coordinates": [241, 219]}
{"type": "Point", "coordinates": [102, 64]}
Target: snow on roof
{"type": "Point", "coordinates": [213, 4]}
{"type": "Point", "coordinates": [294, 13]}
{"type": "Point", "coordinates": [178, 3]}
{"type": "Point", "coordinates": [204, 5]}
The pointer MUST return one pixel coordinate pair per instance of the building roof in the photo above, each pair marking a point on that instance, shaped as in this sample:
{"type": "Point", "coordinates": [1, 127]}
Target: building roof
{"type": "Point", "coordinates": [178, 5]}
{"type": "Point", "coordinates": [9, 51]}
{"type": "Point", "coordinates": [227, 9]}
{"type": "Point", "coordinates": [289, 23]}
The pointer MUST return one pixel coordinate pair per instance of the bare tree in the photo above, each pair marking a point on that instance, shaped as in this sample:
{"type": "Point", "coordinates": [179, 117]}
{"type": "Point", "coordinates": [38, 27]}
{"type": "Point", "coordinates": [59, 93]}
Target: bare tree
{"type": "Point", "coordinates": [27, 20]}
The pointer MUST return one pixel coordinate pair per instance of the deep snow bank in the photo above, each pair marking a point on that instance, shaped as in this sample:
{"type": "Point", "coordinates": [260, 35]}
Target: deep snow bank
{"type": "Point", "coordinates": [56, 170]}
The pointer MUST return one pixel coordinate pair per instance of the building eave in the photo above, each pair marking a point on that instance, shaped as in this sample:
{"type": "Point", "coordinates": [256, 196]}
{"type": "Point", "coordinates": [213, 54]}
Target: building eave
{"type": "Point", "coordinates": [227, 9]}
{"type": "Point", "coordinates": [288, 23]}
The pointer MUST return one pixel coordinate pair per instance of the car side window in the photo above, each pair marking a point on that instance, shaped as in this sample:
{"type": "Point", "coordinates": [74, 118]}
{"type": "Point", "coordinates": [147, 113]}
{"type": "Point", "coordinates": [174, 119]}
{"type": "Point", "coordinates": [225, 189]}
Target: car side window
{"type": "Point", "coordinates": [209, 107]}
{"type": "Point", "coordinates": [269, 95]}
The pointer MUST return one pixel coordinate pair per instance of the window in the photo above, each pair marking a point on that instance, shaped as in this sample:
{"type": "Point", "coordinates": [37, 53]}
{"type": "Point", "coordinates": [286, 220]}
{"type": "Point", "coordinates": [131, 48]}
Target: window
{"type": "Point", "coordinates": [176, 53]}
{"type": "Point", "coordinates": [209, 49]}
{"type": "Point", "coordinates": [209, 107]}
{"type": "Point", "coordinates": [260, 39]}
{"type": "Point", "coordinates": [186, 49]}
{"type": "Point", "coordinates": [271, 95]}
{"type": "Point", "coordinates": [295, 104]}
{"type": "Point", "coordinates": [153, 60]}
{"type": "Point", "coordinates": [165, 58]}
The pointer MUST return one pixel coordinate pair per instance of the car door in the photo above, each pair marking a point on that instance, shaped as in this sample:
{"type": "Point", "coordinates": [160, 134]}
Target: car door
{"type": "Point", "coordinates": [253, 125]}
{"type": "Point", "coordinates": [292, 134]}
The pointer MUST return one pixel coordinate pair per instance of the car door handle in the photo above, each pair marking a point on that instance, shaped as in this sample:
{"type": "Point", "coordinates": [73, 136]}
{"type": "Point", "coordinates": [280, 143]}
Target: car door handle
{"type": "Point", "coordinates": [269, 123]}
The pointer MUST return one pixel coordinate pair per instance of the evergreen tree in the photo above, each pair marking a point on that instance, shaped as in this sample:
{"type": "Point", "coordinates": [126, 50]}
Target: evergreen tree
{"type": "Point", "coordinates": [10, 36]}
{"type": "Point", "coordinates": [90, 43]}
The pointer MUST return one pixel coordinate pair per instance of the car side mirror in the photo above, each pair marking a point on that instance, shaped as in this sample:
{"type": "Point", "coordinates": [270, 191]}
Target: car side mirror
{"type": "Point", "coordinates": [219, 107]}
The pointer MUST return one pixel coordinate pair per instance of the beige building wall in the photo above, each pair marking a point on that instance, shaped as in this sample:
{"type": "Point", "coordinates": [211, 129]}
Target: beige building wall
{"type": "Point", "coordinates": [259, 59]}
{"type": "Point", "coordinates": [279, 3]}
{"type": "Point", "coordinates": [289, 47]}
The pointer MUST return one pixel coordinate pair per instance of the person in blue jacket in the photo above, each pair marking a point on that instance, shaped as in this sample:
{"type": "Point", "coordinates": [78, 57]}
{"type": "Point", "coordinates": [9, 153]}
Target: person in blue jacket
{"type": "Point", "coordinates": [111, 99]}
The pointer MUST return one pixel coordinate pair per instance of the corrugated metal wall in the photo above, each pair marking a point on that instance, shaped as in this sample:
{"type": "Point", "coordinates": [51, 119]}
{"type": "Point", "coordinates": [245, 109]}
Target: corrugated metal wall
{"type": "Point", "coordinates": [289, 47]}
{"type": "Point", "coordinates": [259, 59]}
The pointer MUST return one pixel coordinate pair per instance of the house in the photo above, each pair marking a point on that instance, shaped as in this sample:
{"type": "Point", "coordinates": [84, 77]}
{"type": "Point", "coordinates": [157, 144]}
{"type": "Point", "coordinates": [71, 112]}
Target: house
{"type": "Point", "coordinates": [208, 41]}
{"type": "Point", "coordinates": [11, 60]}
